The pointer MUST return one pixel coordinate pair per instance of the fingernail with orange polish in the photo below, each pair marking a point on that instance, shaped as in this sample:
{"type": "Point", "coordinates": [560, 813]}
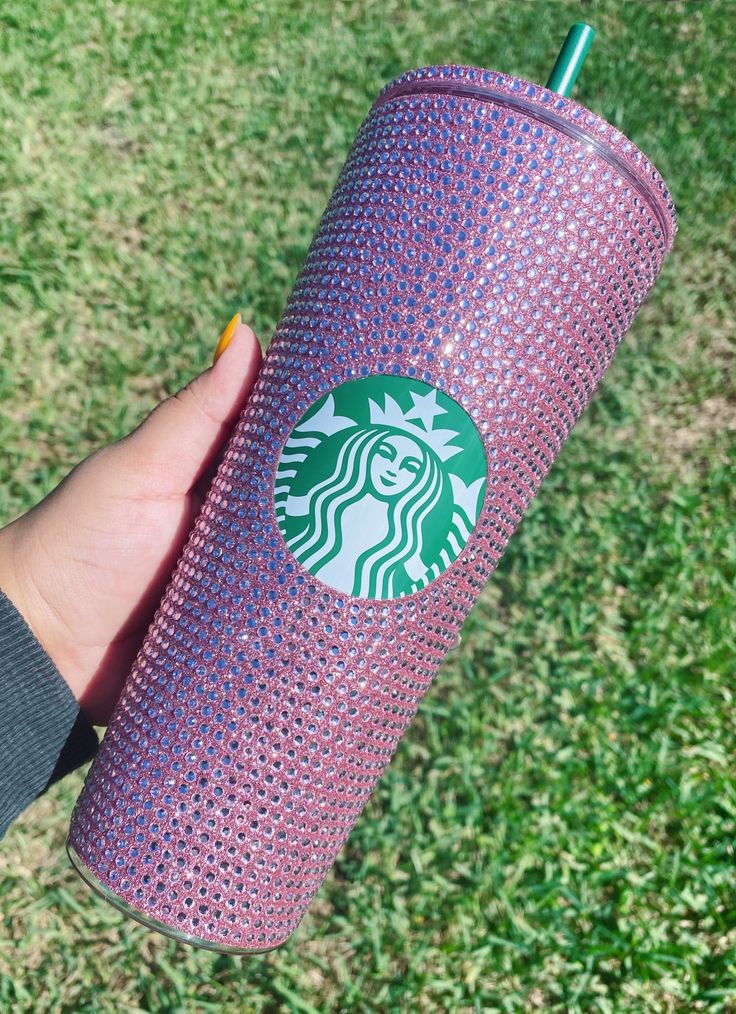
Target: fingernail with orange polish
{"type": "Point", "coordinates": [225, 337]}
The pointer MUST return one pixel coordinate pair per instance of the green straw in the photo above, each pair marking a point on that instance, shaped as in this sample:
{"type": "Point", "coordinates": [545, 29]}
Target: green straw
{"type": "Point", "coordinates": [567, 66]}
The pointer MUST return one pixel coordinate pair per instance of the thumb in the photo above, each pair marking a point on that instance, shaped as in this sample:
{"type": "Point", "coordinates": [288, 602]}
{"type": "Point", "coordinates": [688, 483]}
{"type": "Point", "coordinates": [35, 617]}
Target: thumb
{"type": "Point", "coordinates": [181, 439]}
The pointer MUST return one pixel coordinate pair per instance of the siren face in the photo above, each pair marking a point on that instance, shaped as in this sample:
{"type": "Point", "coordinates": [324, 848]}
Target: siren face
{"type": "Point", "coordinates": [396, 465]}
{"type": "Point", "coordinates": [379, 486]}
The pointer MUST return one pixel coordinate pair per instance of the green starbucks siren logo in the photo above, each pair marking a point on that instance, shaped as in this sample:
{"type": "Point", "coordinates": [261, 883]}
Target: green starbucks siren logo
{"type": "Point", "coordinates": [379, 486]}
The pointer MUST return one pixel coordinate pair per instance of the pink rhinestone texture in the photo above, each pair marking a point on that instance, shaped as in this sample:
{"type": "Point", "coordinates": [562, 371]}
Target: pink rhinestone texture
{"type": "Point", "coordinates": [485, 238]}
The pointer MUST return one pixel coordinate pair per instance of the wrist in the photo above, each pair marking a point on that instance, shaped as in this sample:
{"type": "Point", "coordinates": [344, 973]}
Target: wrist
{"type": "Point", "coordinates": [19, 584]}
{"type": "Point", "coordinates": [8, 571]}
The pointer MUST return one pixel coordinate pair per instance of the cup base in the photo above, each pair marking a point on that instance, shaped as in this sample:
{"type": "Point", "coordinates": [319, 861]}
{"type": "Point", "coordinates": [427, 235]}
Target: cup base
{"type": "Point", "coordinates": [145, 920]}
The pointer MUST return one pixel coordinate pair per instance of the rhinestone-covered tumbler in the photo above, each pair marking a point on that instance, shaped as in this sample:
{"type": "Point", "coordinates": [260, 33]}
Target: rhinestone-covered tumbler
{"type": "Point", "coordinates": [485, 249]}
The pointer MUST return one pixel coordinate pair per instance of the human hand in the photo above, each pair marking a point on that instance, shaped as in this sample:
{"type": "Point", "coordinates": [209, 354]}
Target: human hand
{"type": "Point", "coordinates": [87, 567]}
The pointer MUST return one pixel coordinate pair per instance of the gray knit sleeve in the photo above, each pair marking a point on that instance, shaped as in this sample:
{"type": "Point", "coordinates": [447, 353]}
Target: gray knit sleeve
{"type": "Point", "coordinates": [43, 734]}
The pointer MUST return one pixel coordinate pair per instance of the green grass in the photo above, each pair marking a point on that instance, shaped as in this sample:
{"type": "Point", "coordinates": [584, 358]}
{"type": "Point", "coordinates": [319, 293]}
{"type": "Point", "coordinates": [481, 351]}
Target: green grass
{"type": "Point", "coordinates": [557, 830]}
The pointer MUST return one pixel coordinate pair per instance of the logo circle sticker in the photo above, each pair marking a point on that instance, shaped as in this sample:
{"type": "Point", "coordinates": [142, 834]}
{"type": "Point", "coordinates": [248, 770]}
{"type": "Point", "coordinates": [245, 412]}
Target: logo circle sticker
{"type": "Point", "coordinates": [379, 486]}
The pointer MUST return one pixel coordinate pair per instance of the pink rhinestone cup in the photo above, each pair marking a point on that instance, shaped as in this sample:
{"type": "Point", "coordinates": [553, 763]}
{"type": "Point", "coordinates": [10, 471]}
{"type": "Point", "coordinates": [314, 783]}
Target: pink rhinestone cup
{"type": "Point", "coordinates": [491, 241]}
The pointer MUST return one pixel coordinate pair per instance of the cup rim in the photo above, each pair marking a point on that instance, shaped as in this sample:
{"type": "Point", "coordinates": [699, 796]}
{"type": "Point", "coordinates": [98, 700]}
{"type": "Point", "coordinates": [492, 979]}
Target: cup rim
{"type": "Point", "coordinates": [574, 119]}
